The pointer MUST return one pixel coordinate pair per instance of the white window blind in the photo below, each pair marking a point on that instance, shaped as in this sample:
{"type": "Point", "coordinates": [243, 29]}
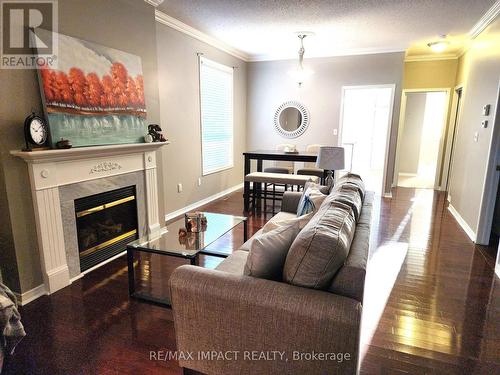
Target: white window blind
{"type": "Point", "coordinates": [216, 98]}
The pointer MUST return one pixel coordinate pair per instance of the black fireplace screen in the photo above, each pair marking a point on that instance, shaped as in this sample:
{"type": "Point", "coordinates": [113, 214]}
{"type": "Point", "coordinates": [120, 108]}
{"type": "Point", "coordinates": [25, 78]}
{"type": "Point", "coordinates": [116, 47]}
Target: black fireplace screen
{"type": "Point", "coordinates": [105, 224]}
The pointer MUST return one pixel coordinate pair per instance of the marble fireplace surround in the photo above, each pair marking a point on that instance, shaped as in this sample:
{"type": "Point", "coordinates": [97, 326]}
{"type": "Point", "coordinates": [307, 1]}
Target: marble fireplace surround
{"type": "Point", "coordinates": [58, 177]}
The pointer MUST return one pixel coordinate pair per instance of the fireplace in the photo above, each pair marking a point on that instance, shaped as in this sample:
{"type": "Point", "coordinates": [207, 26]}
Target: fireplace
{"type": "Point", "coordinates": [105, 223]}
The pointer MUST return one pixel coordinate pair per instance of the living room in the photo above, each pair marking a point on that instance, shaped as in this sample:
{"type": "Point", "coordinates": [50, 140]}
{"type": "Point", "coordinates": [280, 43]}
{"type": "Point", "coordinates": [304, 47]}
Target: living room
{"type": "Point", "coordinates": [363, 135]}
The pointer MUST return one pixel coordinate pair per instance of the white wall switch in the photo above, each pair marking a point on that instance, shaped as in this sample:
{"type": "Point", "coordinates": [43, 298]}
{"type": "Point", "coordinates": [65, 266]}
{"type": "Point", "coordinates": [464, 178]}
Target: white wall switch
{"type": "Point", "coordinates": [486, 110]}
{"type": "Point", "coordinates": [179, 188]}
{"type": "Point", "coordinates": [335, 131]}
{"type": "Point", "coordinates": [476, 136]}
{"type": "Point", "coordinates": [484, 124]}
{"type": "Point", "coordinates": [199, 181]}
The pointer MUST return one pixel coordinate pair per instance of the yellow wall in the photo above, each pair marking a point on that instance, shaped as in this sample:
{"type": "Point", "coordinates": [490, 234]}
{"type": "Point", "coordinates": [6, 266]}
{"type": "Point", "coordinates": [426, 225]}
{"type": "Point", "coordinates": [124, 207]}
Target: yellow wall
{"type": "Point", "coordinates": [430, 74]}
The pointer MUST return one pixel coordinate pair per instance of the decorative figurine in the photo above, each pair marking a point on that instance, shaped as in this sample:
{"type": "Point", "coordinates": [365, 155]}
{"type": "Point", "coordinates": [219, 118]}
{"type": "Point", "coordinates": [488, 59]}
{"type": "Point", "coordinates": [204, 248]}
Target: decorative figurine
{"type": "Point", "coordinates": [154, 131]}
{"type": "Point", "coordinates": [64, 144]}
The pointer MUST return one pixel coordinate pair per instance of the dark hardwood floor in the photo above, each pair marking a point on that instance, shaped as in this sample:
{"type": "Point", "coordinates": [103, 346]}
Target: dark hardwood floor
{"type": "Point", "coordinates": [431, 304]}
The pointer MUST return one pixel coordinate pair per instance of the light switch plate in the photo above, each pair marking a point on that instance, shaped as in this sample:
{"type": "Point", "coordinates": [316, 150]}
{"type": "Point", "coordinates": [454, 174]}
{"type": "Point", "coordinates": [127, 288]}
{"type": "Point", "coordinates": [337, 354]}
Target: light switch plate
{"type": "Point", "coordinates": [335, 131]}
{"type": "Point", "coordinates": [179, 188]}
{"type": "Point", "coordinates": [476, 136]}
{"type": "Point", "coordinates": [484, 123]}
{"type": "Point", "coordinates": [486, 110]}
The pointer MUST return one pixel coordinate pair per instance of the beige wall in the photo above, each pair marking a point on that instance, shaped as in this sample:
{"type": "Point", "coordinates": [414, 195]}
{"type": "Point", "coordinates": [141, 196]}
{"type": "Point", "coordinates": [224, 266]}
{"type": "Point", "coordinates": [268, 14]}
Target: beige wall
{"type": "Point", "coordinates": [178, 79]}
{"type": "Point", "coordinates": [412, 133]}
{"type": "Point", "coordinates": [269, 85]}
{"type": "Point", "coordinates": [479, 72]}
{"type": "Point", "coordinates": [126, 25]}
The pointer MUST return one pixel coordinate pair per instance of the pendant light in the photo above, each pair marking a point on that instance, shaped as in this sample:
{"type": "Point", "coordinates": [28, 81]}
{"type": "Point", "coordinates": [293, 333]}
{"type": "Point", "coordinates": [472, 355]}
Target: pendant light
{"type": "Point", "coordinates": [301, 73]}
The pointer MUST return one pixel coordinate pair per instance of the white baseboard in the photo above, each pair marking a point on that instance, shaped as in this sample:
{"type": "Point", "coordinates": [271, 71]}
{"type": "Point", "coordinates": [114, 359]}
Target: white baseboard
{"type": "Point", "coordinates": [406, 174]}
{"type": "Point", "coordinates": [388, 195]}
{"type": "Point", "coordinates": [207, 200]}
{"type": "Point", "coordinates": [31, 295]}
{"type": "Point", "coordinates": [462, 223]}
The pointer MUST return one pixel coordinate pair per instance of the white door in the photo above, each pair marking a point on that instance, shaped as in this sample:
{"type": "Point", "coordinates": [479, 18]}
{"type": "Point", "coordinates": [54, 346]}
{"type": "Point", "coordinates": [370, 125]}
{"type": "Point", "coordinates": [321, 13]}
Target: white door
{"type": "Point", "coordinates": [364, 130]}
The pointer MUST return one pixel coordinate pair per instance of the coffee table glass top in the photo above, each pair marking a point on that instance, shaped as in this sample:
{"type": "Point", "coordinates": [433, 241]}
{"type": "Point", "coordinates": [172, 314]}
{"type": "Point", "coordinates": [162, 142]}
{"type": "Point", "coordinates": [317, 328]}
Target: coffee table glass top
{"type": "Point", "coordinates": [170, 242]}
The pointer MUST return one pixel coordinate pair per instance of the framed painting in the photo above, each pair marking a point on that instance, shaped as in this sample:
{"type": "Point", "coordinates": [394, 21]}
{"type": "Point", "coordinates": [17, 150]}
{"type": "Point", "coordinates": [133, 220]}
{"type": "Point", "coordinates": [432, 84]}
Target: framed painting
{"type": "Point", "coordinates": [94, 96]}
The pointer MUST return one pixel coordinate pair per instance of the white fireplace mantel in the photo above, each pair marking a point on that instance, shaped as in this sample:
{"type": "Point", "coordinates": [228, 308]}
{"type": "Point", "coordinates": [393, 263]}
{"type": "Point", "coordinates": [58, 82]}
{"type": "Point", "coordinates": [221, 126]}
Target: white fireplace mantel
{"type": "Point", "coordinates": [50, 169]}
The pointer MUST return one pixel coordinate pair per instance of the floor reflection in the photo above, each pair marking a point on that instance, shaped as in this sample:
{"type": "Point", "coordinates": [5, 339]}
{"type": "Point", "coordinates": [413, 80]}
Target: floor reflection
{"type": "Point", "coordinates": [431, 298]}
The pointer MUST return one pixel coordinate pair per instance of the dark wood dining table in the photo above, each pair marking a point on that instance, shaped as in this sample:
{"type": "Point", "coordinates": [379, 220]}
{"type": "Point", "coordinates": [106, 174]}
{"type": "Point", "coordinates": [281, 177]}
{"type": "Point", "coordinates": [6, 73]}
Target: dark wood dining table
{"type": "Point", "coordinates": [262, 155]}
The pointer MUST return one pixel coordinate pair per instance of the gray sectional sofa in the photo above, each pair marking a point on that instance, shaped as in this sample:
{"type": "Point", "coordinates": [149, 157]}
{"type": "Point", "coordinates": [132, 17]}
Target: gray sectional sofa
{"type": "Point", "coordinates": [231, 323]}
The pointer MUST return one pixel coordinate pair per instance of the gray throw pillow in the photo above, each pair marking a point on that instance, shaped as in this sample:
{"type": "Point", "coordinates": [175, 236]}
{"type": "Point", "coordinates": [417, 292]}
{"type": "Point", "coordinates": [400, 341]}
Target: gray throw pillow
{"type": "Point", "coordinates": [268, 252]}
{"type": "Point", "coordinates": [321, 248]}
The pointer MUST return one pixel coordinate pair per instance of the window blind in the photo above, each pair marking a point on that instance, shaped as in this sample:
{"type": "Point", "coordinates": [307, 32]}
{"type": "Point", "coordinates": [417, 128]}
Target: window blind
{"type": "Point", "coordinates": [216, 100]}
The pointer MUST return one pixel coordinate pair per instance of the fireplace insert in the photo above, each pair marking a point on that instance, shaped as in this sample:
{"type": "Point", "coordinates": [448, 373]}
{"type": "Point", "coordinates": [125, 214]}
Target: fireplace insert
{"type": "Point", "coordinates": [105, 223]}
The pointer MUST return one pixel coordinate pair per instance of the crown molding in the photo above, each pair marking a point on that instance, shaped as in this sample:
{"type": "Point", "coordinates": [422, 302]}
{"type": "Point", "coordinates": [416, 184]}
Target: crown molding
{"type": "Point", "coordinates": [174, 23]}
{"type": "Point", "coordinates": [154, 3]}
{"type": "Point", "coordinates": [365, 51]}
{"type": "Point", "coordinates": [485, 20]}
{"type": "Point", "coordinates": [432, 57]}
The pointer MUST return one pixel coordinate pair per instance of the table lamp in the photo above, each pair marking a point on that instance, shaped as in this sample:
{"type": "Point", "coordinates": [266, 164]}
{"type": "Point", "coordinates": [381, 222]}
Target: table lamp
{"type": "Point", "coordinates": [330, 159]}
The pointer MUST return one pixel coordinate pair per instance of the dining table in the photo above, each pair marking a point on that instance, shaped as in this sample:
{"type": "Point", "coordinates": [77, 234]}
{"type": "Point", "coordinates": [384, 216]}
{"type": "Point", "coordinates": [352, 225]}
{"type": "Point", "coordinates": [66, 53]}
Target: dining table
{"type": "Point", "coordinates": [274, 155]}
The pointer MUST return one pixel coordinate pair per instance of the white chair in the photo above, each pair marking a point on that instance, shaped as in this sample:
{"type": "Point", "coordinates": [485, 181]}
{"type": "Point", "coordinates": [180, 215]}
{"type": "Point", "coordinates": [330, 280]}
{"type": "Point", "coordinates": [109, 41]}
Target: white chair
{"type": "Point", "coordinates": [310, 168]}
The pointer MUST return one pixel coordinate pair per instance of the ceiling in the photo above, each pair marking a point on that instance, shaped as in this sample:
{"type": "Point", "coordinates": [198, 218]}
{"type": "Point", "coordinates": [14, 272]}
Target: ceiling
{"type": "Point", "coordinates": [264, 29]}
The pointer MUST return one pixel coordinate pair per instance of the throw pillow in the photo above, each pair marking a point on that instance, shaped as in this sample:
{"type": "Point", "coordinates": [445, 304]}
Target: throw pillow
{"type": "Point", "coordinates": [268, 252]}
{"type": "Point", "coordinates": [311, 200]}
{"type": "Point", "coordinates": [302, 220]}
{"type": "Point", "coordinates": [321, 248]}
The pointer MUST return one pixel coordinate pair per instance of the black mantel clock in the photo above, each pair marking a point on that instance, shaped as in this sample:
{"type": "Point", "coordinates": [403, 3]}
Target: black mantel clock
{"type": "Point", "coordinates": [36, 132]}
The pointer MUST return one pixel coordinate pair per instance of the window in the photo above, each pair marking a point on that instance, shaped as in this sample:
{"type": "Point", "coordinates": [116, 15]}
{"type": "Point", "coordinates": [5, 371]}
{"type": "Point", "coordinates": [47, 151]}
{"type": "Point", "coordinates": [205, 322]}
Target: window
{"type": "Point", "coordinates": [216, 99]}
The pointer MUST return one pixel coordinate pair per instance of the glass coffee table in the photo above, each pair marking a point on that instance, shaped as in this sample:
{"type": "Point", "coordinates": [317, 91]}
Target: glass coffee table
{"type": "Point", "coordinates": [169, 244]}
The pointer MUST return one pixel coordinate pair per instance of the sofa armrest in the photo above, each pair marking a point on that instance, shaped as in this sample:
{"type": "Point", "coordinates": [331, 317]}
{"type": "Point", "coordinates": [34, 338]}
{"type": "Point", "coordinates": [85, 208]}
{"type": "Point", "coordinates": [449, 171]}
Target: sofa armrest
{"type": "Point", "coordinates": [219, 312]}
{"type": "Point", "coordinates": [290, 201]}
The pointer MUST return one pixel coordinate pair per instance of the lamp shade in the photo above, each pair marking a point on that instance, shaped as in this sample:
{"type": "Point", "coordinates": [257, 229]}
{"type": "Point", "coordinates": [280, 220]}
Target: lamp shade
{"type": "Point", "coordinates": [330, 158]}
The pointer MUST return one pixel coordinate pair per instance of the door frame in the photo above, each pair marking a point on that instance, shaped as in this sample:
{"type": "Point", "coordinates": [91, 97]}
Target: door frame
{"type": "Point", "coordinates": [491, 180]}
{"type": "Point", "coordinates": [451, 137]}
{"type": "Point", "coordinates": [401, 126]}
{"type": "Point", "coordinates": [392, 86]}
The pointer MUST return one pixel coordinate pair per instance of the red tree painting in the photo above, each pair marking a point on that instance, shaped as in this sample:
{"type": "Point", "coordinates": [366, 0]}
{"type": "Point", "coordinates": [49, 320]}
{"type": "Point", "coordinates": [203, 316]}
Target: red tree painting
{"type": "Point", "coordinates": [75, 91]}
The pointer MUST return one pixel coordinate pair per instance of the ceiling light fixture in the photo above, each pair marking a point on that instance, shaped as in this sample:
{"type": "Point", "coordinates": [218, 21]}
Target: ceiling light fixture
{"type": "Point", "coordinates": [440, 45]}
{"type": "Point", "coordinates": [301, 73]}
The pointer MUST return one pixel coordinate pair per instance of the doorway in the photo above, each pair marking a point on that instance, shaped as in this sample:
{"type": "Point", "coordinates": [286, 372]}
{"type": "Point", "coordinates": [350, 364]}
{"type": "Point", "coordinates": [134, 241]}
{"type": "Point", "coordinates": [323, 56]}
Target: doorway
{"type": "Point", "coordinates": [365, 119]}
{"type": "Point", "coordinates": [421, 138]}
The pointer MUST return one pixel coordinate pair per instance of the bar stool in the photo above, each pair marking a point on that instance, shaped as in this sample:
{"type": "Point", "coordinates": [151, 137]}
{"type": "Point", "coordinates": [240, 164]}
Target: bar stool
{"type": "Point", "coordinates": [283, 167]}
{"type": "Point", "coordinates": [310, 168]}
{"type": "Point", "coordinates": [258, 178]}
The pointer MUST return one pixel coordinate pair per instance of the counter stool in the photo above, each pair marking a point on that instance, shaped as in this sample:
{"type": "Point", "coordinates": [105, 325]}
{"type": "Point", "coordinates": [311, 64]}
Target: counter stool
{"type": "Point", "coordinates": [259, 178]}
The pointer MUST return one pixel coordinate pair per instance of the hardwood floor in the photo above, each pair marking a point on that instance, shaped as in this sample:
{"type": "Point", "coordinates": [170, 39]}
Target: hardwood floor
{"type": "Point", "coordinates": [431, 304]}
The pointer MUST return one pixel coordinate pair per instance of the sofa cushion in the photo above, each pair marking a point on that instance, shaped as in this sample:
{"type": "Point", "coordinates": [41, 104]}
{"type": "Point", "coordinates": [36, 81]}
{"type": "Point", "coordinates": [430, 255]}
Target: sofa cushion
{"type": "Point", "coordinates": [234, 263]}
{"type": "Point", "coordinates": [353, 180]}
{"type": "Point", "coordinates": [268, 252]}
{"type": "Point", "coordinates": [350, 196]}
{"type": "Point", "coordinates": [350, 280]}
{"type": "Point", "coordinates": [321, 248]}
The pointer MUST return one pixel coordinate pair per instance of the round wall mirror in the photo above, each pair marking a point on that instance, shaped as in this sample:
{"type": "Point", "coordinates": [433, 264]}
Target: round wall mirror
{"type": "Point", "coordinates": [291, 119]}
